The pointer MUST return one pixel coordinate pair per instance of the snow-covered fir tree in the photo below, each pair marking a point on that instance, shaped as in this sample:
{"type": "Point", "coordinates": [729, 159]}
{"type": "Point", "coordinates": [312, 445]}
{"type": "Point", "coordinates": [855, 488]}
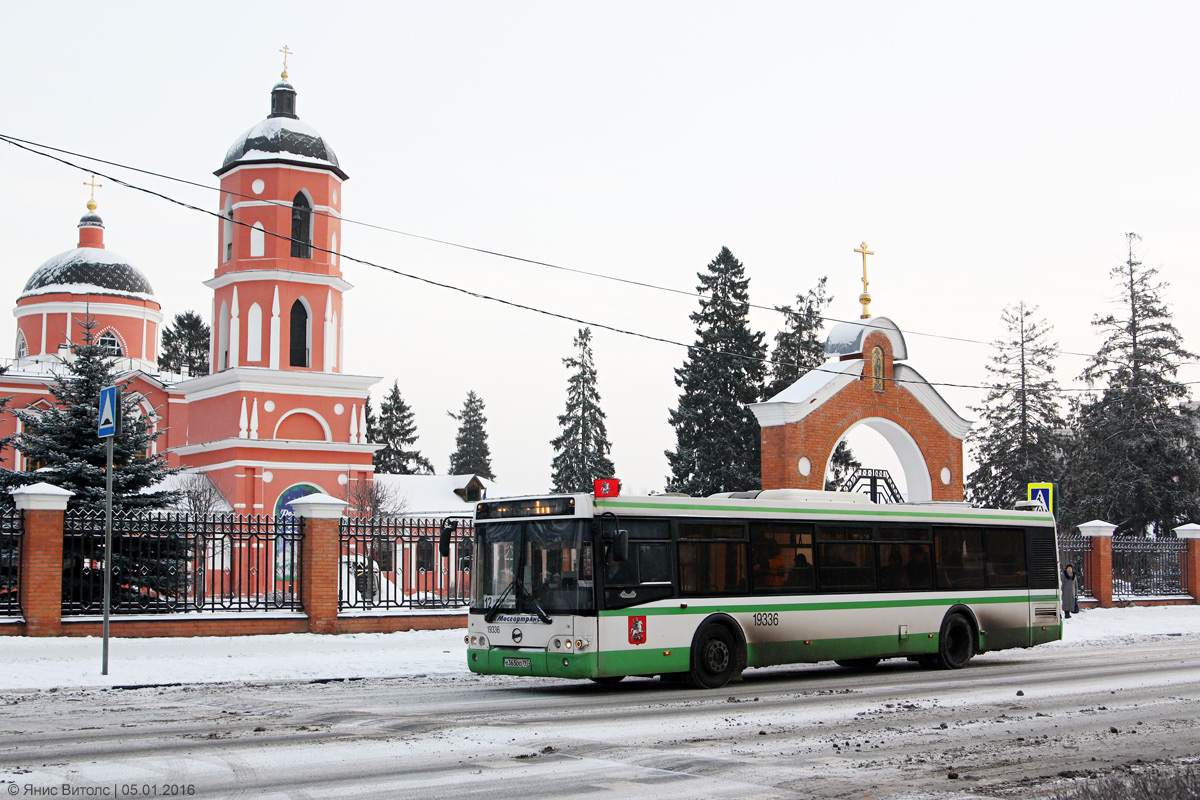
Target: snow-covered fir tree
{"type": "Point", "coordinates": [396, 430]}
{"type": "Point", "coordinates": [185, 343]}
{"type": "Point", "coordinates": [1135, 458]}
{"type": "Point", "coordinates": [717, 437]}
{"type": "Point", "coordinates": [799, 348]}
{"type": "Point", "coordinates": [1022, 436]}
{"type": "Point", "coordinates": [372, 421]}
{"type": "Point", "coordinates": [471, 453]}
{"type": "Point", "coordinates": [61, 440]}
{"type": "Point", "coordinates": [581, 450]}
{"type": "Point", "coordinates": [9, 555]}
{"type": "Point", "coordinates": [61, 447]}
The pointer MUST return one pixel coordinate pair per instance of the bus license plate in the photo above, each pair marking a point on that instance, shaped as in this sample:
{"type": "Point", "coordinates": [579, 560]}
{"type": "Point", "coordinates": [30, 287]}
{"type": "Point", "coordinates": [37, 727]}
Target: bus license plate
{"type": "Point", "coordinates": [517, 662]}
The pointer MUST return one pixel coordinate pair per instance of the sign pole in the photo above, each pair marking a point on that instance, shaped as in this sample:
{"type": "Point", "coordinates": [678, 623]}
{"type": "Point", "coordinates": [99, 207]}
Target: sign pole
{"type": "Point", "coordinates": [110, 423]}
{"type": "Point", "coordinates": [108, 480]}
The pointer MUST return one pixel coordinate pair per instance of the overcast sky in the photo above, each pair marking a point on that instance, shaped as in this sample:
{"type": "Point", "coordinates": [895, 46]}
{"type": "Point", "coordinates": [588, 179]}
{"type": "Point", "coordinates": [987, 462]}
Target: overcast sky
{"type": "Point", "coordinates": [986, 153]}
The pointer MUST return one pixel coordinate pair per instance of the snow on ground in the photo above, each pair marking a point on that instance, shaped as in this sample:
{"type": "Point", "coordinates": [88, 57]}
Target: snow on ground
{"type": "Point", "coordinates": [38, 663]}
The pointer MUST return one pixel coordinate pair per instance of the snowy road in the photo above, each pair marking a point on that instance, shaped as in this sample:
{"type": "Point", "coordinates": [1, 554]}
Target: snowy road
{"type": "Point", "coordinates": [1008, 725]}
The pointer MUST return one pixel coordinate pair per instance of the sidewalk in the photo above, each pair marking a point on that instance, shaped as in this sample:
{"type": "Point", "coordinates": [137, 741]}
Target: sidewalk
{"type": "Point", "coordinates": [36, 663]}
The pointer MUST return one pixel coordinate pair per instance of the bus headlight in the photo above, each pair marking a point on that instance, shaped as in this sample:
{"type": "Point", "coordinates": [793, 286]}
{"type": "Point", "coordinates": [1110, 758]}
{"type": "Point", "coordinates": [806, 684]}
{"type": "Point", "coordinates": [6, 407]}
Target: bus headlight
{"type": "Point", "coordinates": [568, 644]}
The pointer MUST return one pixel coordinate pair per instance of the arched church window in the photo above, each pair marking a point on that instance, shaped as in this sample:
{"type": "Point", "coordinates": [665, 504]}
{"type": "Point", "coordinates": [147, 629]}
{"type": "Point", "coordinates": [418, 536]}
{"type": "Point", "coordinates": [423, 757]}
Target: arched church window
{"type": "Point", "coordinates": [22, 345]}
{"type": "Point", "coordinates": [300, 331]}
{"type": "Point", "coordinates": [109, 344]}
{"type": "Point", "coordinates": [301, 226]}
{"type": "Point", "coordinates": [877, 368]}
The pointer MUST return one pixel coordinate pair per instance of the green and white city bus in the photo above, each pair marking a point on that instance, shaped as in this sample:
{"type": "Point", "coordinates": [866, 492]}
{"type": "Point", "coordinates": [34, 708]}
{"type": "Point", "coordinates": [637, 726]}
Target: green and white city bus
{"type": "Point", "coordinates": [575, 586]}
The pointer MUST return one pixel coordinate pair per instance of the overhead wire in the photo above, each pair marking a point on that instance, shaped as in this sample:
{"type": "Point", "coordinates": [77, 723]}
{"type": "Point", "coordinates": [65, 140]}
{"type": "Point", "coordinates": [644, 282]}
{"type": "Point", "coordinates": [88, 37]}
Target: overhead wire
{"type": "Point", "coordinates": [472, 248]}
{"type": "Point", "coordinates": [31, 148]}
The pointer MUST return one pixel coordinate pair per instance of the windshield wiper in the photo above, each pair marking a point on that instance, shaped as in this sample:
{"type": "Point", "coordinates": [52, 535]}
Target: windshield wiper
{"type": "Point", "coordinates": [541, 612]}
{"type": "Point", "coordinates": [490, 616]}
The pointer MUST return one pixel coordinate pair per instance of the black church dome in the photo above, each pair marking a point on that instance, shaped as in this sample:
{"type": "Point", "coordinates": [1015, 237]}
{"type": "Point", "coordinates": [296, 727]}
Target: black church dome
{"type": "Point", "coordinates": [282, 137]}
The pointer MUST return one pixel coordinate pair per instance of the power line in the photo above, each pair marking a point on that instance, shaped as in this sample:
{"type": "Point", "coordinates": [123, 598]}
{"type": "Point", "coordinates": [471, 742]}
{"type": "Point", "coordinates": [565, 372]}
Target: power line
{"type": "Point", "coordinates": [471, 248]}
{"type": "Point", "coordinates": [502, 301]}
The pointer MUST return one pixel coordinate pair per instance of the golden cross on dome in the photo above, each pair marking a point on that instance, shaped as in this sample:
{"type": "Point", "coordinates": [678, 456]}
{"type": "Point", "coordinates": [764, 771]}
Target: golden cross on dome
{"type": "Point", "coordinates": [286, 53]}
{"type": "Point", "coordinates": [864, 298]}
{"type": "Point", "coordinates": [91, 204]}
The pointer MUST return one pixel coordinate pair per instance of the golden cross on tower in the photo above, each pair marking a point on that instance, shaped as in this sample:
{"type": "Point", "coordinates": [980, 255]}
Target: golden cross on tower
{"type": "Point", "coordinates": [91, 204]}
{"type": "Point", "coordinates": [864, 298]}
{"type": "Point", "coordinates": [286, 53]}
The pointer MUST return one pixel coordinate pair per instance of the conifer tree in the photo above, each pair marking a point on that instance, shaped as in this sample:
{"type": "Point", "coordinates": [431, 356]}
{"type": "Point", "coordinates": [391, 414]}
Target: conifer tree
{"type": "Point", "coordinates": [800, 348]}
{"type": "Point", "coordinates": [1021, 440]}
{"type": "Point", "coordinates": [717, 437]}
{"type": "Point", "coordinates": [1135, 458]}
{"type": "Point", "coordinates": [372, 422]}
{"type": "Point", "coordinates": [471, 454]}
{"type": "Point", "coordinates": [61, 440]}
{"type": "Point", "coordinates": [185, 343]}
{"type": "Point", "coordinates": [582, 448]}
{"type": "Point", "coordinates": [397, 431]}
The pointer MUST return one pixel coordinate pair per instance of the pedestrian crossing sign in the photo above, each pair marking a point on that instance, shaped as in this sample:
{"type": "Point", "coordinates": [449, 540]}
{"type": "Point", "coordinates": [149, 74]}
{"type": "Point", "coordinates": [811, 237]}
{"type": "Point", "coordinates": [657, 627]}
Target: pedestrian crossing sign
{"type": "Point", "coordinates": [110, 411]}
{"type": "Point", "coordinates": [1043, 495]}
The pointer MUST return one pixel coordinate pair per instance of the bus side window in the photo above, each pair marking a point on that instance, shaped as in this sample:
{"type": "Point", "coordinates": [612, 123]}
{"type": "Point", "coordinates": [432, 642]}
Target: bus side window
{"type": "Point", "coordinates": [959, 553]}
{"type": "Point", "coordinates": [781, 557]}
{"type": "Point", "coordinates": [1006, 558]}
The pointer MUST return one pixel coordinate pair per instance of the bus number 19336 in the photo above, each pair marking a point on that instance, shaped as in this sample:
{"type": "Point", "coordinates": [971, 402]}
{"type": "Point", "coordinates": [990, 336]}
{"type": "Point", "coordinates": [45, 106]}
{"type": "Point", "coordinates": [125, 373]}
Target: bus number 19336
{"type": "Point", "coordinates": [765, 620]}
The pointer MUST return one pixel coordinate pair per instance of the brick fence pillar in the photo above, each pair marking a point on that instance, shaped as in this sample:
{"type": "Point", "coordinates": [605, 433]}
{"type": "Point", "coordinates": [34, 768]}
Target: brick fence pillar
{"type": "Point", "coordinates": [42, 507]}
{"type": "Point", "coordinates": [1191, 558]}
{"type": "Point", "coordinates": [1099, 575]}
{"type": "Point", "coordinates": [319, 552]}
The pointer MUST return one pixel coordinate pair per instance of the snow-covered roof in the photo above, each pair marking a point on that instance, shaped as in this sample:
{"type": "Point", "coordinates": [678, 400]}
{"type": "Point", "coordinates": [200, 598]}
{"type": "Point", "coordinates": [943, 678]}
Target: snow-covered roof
{"type": "Point", "coordinates": [814, 388]}
{"type": "Point", "coordinates": [89, 270]}
{"type": "Point", "coordinates": [282, 137]}
{"type": "Point", "coordinates": [846, 338]}
{"type": "Point", "coordinates": [434, 495]}
{"type": "Point", "coordinates": [808, 393]}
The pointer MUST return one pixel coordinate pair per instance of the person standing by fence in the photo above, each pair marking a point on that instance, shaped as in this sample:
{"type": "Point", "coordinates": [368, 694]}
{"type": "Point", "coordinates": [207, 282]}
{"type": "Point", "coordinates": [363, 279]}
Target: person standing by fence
{"type": "Point", "coordinates": [1070, 590]}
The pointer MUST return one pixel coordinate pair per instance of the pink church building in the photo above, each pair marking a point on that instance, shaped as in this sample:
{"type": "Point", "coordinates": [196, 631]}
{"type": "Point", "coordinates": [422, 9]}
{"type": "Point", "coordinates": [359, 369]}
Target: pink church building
{"type": "Point", "coordinates": [277, 418]}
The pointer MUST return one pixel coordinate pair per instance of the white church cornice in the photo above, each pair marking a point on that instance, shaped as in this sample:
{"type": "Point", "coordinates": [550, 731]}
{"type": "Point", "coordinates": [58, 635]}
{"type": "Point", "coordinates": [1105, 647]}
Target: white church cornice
{"type": "Point", "coordinates": [277, 276]}
{"type": "Point", "coordinates": [91, 308]}
{"type": "Point", "coordinates": [272, 381]}
{"type": "Point", "coordinates": [287, 445]}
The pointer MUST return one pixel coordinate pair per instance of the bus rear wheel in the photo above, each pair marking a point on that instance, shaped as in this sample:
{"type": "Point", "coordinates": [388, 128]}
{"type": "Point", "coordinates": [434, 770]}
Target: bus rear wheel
{"type": "Point", "coordinates": [857, 663]}
{"type": "Point", "coordinates": [956, 643]}
{"type": "Point", "coordinates": [714, 657]}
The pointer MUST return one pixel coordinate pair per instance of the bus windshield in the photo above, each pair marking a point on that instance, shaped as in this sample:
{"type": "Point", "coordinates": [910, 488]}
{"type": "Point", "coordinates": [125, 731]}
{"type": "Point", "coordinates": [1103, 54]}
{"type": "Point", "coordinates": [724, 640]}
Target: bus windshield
{"type": "Point", "coordinates": [541, 568]}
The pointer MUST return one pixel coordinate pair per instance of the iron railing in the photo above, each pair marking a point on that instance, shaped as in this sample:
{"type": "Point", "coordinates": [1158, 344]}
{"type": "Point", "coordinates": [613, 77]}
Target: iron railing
{"type": "Point", "coordinates": [395, 563]}
{"type": "Point", "coordinates": [1144, 567]}
{"type": "Point", "coordinates": [10, 563]}
{"type": "Point", "coordinates": [1076, 549]}
{"type": "Point", "coordinates": [176, 563]}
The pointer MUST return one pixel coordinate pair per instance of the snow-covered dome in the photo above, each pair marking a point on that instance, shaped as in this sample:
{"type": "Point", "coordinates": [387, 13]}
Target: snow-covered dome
{"type": "Point", "coordinates": [846, 338]}
{"type": "Point", "coordinates": [282, 137]}
{"type": "Point", "coordinates": [89, 270]}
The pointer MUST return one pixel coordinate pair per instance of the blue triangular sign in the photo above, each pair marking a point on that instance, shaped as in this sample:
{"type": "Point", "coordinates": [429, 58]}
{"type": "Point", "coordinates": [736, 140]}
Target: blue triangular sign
{"type": "Point", "coordinates": [108, 412]}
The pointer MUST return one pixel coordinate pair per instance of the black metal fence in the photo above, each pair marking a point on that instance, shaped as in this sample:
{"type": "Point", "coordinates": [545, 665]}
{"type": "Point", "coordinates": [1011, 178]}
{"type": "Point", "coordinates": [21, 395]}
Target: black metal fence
{"type": "Point", "coordinates": [1144, 567]}
{"type": "Point", "coordinates": [1075, 548]}
{"type": "Point", "coordinates": [10, 563]}
{"type": "Point", "coordinates": [396, 563]}
{"type": "Point", "coordinates": [176, 563]}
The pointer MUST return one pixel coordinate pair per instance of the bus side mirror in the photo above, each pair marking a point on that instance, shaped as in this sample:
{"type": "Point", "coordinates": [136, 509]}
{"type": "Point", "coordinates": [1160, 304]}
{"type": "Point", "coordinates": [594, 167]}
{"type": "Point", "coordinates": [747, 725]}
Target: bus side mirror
{"type": "Point", "coordinates": [449, 526]}
{"type": "Point", "coordinates": [620, 546]}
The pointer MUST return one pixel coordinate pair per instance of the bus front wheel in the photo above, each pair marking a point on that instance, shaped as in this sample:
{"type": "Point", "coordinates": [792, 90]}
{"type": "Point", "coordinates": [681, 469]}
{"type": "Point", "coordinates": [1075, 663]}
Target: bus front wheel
{"type": "Point", "coordinates": [956, 643]}
{"type": "Point", "coordinates": [714, 657]}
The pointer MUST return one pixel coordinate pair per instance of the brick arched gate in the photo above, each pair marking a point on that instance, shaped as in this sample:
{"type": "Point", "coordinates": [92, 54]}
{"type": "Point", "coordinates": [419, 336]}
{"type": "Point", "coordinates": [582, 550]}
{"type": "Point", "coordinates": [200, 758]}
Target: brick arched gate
{"type": "Point", "coordinates": [861, 384]}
